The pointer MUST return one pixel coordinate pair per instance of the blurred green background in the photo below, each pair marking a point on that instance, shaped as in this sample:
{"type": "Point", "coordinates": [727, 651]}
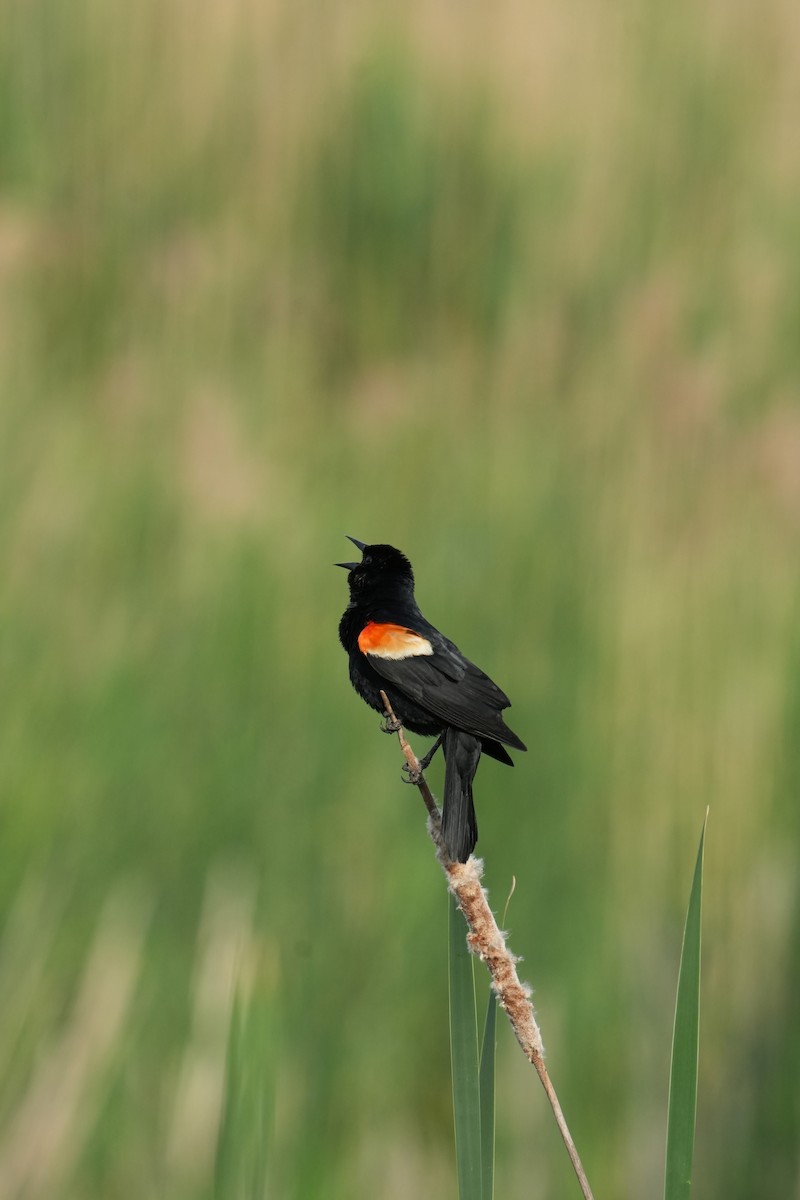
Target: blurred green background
{"type": "Point", "coordinates": [515, 288]}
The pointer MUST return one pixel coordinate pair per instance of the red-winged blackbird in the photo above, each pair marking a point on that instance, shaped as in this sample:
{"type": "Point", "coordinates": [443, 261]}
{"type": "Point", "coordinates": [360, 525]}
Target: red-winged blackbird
{"type": "Point", "coordinates": [432, 687]}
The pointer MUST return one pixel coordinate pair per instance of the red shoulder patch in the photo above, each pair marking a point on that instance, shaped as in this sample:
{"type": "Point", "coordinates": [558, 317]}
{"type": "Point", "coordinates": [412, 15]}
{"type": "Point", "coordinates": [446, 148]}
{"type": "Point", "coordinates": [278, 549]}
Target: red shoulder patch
{"type": "Point", "coordinates": [392, 641]}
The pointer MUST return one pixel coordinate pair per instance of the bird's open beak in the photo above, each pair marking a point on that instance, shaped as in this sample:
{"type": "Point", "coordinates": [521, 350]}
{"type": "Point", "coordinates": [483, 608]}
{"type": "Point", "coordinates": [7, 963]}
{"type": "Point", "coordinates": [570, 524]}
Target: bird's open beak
{"type": "Point", "coordinates": [361, 546]}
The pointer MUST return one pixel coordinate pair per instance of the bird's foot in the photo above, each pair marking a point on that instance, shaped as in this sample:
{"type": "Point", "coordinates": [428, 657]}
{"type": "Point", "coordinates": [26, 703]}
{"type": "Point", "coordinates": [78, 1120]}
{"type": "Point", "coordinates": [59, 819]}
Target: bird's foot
{"type": "Point", "coordinates": [415, 774]}
{"type": "Point", "coordinates": [391, 725]}
{"type": "Point", "coordinates": [427, 759]}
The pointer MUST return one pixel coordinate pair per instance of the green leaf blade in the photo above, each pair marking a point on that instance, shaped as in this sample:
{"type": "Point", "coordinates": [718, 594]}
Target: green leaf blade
{"type": "Point", "coordinates": [685, 1045]}
{"type": "Point", "coordinates": [245, 1133]}
{"type": "Point", "coordinates": [487, 1094]}
{"type": "Point", "coordinates": [464, 1058]}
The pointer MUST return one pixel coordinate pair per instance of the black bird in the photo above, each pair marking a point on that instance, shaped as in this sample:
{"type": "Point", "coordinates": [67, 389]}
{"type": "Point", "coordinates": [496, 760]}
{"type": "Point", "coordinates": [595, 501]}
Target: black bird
{"type": "Point", "coordinates": [432, 687]}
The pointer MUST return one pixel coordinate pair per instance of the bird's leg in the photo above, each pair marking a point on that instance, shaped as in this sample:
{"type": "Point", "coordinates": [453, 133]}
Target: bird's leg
{"type": "Point", "coordinates": [424, 763]}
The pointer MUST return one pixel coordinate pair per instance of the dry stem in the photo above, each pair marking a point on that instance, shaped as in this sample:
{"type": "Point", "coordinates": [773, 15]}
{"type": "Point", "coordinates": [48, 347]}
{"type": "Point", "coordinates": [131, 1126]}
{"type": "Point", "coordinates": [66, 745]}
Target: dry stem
{"type": "Point", "coordinates": [486, 940]}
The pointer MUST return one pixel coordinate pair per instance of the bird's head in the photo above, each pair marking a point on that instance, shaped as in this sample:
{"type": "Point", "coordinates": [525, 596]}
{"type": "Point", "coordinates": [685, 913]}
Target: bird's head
{"type": "Point", "coordinates": [381, 567]}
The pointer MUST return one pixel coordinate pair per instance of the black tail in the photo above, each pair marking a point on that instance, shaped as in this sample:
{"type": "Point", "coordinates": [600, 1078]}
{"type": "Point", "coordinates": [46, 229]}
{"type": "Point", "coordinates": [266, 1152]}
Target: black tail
{"type": "Point", "coordinates": [462, 754]}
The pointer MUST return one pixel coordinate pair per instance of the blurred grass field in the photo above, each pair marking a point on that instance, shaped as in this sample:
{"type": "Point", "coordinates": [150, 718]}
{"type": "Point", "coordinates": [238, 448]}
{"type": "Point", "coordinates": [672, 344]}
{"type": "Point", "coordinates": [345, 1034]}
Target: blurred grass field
{"type": "Point", "coordinates": [516, 290]}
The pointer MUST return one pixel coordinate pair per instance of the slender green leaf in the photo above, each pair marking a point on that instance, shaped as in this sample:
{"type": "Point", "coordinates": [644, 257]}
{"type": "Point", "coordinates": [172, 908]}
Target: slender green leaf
{"type": "Point", "coordinates": [487, 1096]}
{"type": "Point", "coordinates": [683, 1074]}
{"type": "Point", "coordinates": [464, 1059]}
{"type": "Point", "coordinates": [245, 1132]}
{"type": "Point", "coordinates": [225, 1137]}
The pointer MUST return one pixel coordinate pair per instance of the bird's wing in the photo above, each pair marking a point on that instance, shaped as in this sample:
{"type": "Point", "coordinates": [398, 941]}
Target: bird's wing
{"type": "Point", "coordinates": [431, 670]}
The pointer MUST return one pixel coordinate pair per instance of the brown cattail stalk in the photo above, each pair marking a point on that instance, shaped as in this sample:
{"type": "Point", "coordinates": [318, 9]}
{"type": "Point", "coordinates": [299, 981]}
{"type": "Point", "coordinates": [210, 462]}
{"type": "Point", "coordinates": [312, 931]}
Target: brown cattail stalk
{"type": "Point", "coordinates": [487, 941]}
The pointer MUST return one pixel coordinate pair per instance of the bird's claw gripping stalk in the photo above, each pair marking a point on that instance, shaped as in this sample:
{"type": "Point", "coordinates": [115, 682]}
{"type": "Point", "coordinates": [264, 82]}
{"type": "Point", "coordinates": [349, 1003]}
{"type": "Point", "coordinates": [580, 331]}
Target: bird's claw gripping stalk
{"type": "Point", "coordinates": [415, 775]}
{"type": "Point", "coordinates": [427, 759]}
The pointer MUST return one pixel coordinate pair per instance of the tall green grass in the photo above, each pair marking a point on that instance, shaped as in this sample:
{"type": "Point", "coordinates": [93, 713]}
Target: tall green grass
{"type": "Point", "coordinates": [516, 296]}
